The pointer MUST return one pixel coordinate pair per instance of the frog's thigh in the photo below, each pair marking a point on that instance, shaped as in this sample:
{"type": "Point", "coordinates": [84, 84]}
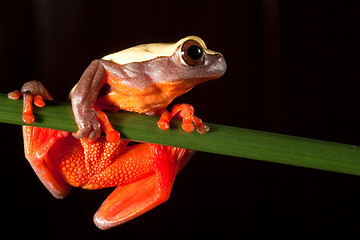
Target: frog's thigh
{"type": "Point", "coordinates": [130, 166]}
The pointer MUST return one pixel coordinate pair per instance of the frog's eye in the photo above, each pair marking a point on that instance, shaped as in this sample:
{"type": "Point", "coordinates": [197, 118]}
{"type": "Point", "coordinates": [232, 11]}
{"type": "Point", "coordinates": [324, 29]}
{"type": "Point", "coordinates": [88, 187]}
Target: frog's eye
{"type": "Point", "coordinates": [192, 53]}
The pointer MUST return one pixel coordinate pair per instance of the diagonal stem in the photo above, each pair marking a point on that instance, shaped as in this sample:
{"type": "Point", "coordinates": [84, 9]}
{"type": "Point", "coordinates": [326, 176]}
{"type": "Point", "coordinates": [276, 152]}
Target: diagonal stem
{"type": "Point", "coordinates": [220, 139]}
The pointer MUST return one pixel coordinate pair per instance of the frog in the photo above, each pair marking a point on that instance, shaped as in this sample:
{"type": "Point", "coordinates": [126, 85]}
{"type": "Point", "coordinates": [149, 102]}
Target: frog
{"type": "Point", "coordinates": [144, 79]}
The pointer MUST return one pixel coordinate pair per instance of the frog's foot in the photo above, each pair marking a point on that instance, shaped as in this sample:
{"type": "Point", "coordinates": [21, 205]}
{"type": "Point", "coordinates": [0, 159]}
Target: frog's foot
{"type": "Point", "coordinates": [31, 91]}
{"type": "Point", "coordinates": [186, 112]}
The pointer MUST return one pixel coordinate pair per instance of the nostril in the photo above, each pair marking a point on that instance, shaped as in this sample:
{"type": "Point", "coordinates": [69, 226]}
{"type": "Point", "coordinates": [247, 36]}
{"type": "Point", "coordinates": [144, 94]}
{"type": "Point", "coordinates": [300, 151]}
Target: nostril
{"type": "Point", "coordinates": [218, 55]}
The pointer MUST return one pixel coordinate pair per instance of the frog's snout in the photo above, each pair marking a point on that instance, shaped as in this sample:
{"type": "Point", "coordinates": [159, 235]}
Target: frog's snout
{"type": "Point", "coordinates": [218, 65]}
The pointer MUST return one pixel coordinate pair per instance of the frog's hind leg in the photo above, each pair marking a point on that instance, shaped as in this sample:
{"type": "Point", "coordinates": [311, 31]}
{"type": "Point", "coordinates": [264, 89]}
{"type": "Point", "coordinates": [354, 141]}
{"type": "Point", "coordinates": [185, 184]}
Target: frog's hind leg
{"type": "Point", "coordinates": [38, 141]}
{"type": "Point", "coordinates": [129, 201]}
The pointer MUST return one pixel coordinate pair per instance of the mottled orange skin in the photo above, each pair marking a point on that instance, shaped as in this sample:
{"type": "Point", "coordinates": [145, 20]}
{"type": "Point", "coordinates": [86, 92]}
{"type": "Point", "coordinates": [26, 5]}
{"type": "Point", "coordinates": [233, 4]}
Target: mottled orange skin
{"type": "Point", "coordinates": [60, 161]}
{"type": "Point", "coordinates": [100, 164]}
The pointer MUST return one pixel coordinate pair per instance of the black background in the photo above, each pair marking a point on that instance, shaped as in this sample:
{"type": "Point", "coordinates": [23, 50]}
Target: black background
{"type": "Point", "coordinates": [293, 68]}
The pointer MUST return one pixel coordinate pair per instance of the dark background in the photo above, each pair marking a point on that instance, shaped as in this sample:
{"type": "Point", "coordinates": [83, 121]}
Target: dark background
{"type": "Point", "coordinates": [293, 68]}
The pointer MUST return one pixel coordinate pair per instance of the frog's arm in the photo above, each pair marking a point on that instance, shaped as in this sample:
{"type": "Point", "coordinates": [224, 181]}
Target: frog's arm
{"type": "Point", "coordinates": [83, 101]}
{"type": "Point", "coordinates": [89, 119]}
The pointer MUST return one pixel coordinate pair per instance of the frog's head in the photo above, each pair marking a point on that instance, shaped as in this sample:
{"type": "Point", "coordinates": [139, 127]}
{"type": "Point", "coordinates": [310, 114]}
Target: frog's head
{"type": "Point", "coordinates": [195, 61]}
{"type": "Point", "coordinates": [186, 61]}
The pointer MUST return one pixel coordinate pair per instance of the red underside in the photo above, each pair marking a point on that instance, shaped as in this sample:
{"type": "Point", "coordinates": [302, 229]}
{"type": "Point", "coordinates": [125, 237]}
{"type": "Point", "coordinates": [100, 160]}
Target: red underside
{"type": "Point", "coordinates": [143, 173]}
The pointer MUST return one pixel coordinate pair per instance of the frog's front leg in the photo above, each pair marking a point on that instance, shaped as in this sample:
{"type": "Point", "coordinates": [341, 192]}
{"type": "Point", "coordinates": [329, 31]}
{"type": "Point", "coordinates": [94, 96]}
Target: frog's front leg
{"type": "Point", "coordinates": [186, 112]}
{"type": "Point", "coordinates": [88, 118]}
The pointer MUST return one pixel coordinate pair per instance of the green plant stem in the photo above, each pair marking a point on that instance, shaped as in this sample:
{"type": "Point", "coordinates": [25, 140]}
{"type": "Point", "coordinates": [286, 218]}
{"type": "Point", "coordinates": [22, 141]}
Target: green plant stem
{"type": "Point", "coordinates": [220, 139]}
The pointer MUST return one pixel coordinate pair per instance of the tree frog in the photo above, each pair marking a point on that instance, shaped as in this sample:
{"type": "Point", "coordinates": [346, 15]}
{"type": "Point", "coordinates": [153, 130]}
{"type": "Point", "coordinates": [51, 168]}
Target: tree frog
{"type": "Point", "coordinates": [143, 79]}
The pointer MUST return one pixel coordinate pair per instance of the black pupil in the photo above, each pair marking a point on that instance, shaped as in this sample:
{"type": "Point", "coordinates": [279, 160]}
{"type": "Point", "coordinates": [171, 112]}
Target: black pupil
{"type": "Point", "coordinates": [194, 52]}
